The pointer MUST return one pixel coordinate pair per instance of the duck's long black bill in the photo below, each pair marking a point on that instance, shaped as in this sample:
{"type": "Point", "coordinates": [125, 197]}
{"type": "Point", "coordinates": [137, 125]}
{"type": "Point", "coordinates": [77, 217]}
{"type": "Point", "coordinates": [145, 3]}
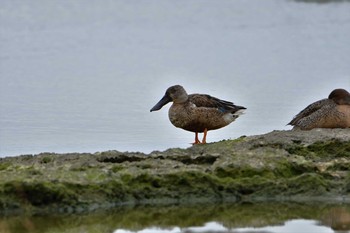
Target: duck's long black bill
{"type": "Point", "coordinates": [166, 99]}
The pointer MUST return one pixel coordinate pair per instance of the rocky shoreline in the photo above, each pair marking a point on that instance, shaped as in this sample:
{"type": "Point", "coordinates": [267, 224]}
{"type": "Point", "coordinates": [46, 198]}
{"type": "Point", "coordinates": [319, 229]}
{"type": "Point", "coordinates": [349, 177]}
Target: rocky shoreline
{"type": "Point", "coordinates": [277, 166]}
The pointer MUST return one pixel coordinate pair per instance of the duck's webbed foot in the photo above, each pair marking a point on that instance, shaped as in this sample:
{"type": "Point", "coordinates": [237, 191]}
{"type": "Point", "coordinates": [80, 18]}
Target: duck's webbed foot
{"type": "Point", "coordinates": [204, 140]}
{"type": "Point", "coordinates": [196, 140]}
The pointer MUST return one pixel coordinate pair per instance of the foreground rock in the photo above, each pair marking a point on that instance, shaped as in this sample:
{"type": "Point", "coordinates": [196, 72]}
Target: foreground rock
{"type": "Point", "coordinates": [281, 165]}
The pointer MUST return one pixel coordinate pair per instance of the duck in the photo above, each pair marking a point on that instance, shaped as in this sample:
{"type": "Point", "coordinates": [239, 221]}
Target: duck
{"type": "Point", "coordinates": [198, 113]}
{"type": "Point", "coordinates": [332, 112]}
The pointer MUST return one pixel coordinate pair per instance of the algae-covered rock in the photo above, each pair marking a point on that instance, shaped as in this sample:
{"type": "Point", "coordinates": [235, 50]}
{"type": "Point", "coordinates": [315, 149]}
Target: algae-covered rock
{"type": "Point", "coordinates": [281, 165]}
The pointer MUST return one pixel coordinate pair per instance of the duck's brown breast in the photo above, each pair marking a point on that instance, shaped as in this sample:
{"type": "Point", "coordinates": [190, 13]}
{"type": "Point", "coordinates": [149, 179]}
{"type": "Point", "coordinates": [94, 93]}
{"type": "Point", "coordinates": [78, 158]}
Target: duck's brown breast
{"type": "Point", "coordinates": [344, 112]}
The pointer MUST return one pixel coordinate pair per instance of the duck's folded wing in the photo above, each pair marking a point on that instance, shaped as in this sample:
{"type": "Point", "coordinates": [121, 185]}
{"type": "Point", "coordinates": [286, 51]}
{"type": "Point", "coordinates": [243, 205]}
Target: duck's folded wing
{"type": "Point", "coordinates": [208, 101]}
{"type": "Point", "coordinates": [309, 110]}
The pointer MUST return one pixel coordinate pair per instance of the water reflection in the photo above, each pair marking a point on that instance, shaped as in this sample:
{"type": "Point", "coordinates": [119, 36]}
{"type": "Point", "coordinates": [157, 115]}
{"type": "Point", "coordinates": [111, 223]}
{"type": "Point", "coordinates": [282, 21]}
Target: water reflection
{"type": "Point", "coordinates": [285, 217]}
{"type": "Point", "coordinates": [338, 219]}
{"type": "Point", "coordinates": [213, 227]}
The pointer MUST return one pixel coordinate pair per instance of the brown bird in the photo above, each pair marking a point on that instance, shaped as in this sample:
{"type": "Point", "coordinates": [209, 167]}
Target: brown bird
{"type": "Point", "coordinates": [198, 112]}
{"type": "Point", "coordinates": [333, 112]}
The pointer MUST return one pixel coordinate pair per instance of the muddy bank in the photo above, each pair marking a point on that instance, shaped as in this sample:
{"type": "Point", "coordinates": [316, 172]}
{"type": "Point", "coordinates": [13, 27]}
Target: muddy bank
{"type": "Point", "coordinates": [281, 165]}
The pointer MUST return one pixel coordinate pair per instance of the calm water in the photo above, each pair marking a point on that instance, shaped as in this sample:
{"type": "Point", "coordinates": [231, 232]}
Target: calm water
{"type": "Point", "coordinates": [82, 77]}
{"type": "Point", "coordinates": [78, 76]}
{"type": "Point", "coordinates": [229, 218]}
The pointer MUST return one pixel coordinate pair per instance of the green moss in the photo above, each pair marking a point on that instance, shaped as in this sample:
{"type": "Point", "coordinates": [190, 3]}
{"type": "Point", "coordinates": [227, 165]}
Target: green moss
{"type": "Point", "coordinates": [125, 177]}
{"type": "Point", "coordinates": [287, 169]}
{"type": "Point", "coordinates": [143, 179]}
{"type": "Point", "coordinates": [146, 187]}
{"type": "Point", "coordinates": [241, 172]}
{"type": "Point", "coordinates": [117, 168]}
{"type": "Point", "coordinates": [327, 149]}
{"type": "Point", "coordinates": [339, 166]}
{"type": "Point", "coordinates": [114, 190]}
{"type": "Point", "coordinates": [180, 185]}
{"type": "Point", "coordinates": [39, 194]}
{"type": "Point", "coordinates": [267, 145]}
{"type": "Point", "coordinates": [309, 183]}
{"type": "Point", "coordinates": [247, 185]}
{"type": "Point", "coordinates": [4, 166]}
{"type": "Point", "coordinates": [33, 171]}
{"type": "Point", "coordinates": [47, 159]}
{"type": "Point", "coordinates": [271, 167]}
{"type": "Point", "coordinates": [188, 179]}
{"type": "Point", "coordinates": [95, 175]}
{"type": "Point", "coordinates": [78, 169]}
{"type": "Point", "coordinates": [145, 165]}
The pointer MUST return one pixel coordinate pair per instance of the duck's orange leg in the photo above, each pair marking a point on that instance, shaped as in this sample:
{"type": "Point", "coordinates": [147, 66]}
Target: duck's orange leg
{"type": "Point", "coordinates": [205, 136]}
{"type": "Point", "coordinates": [196, 140]}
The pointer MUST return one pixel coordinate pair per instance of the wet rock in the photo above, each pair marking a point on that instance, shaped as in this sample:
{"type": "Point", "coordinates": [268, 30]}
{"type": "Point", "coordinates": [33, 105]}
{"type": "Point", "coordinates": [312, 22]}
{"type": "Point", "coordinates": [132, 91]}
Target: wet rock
{"type": "Point", "coordinates": [281, 165]}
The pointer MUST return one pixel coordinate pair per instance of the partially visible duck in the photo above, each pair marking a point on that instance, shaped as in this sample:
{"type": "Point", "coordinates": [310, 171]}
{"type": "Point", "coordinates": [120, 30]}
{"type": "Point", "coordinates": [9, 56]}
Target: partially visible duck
{"type": "Point", "coordinates": [198, 112]}
{"type": "Point", "coordinates": [333, 112]}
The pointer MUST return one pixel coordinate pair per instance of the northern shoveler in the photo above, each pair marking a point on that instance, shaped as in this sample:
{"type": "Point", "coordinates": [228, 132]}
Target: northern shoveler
{"type": "Point", "coordinates": [198, 112]}
{"type": "Point", "coordinates": [333, 112]}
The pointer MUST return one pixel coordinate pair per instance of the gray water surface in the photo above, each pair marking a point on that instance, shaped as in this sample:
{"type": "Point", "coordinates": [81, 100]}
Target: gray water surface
{"type": "Point", "coordinates": [82, 77]}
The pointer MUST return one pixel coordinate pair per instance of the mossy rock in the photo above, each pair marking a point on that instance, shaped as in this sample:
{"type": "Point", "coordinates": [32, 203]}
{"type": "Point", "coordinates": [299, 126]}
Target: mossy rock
{"type": "Point", "coordinates": [273, 166]}
{"type": "Point", "coordinates": [323, 150]}
{"type": "Point", "coordinates": [39, 194]}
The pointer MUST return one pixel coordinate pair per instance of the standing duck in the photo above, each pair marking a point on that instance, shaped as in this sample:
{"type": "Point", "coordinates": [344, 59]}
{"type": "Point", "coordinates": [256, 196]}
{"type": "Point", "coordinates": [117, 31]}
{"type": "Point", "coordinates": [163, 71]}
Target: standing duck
{"type": "Point", "coordinates": [198, 113]}
{"type": "Point", "coordinates": [333, 112]}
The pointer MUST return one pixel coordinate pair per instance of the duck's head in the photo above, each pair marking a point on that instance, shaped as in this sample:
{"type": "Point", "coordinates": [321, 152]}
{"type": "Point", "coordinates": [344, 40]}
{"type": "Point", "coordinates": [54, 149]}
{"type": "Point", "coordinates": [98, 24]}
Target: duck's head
{"type": "Point", "coordinates": [340, 96]}
{"type": "Point", "coordinates": [176, 94]}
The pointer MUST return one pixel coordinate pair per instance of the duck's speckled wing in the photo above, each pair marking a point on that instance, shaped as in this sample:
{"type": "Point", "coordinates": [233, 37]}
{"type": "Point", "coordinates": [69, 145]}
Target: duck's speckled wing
{"type": "Point", "coordinates": [201, 100]}
{"type": "Point", "coordinates": [311, 112]}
